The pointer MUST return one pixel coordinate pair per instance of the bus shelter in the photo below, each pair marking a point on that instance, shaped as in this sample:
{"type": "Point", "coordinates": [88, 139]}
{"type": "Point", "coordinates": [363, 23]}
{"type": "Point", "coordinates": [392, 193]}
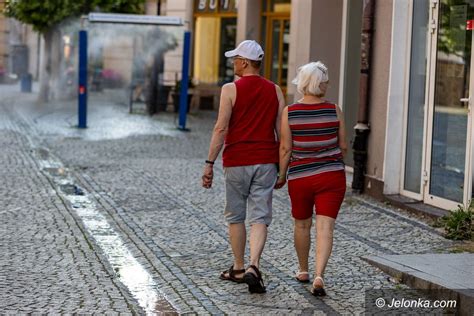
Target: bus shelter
{"type": "Point", "coordinates": [117, 23]}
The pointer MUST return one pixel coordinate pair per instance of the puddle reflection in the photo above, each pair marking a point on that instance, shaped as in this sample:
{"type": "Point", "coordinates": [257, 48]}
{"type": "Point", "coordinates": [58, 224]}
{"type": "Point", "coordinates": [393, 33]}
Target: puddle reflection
{"type": "Point", "coordinates": [127, 269]}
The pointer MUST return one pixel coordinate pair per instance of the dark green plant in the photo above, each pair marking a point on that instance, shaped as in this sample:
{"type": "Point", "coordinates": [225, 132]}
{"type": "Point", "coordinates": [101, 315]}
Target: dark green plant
{"type": "Point", "coordinates": [452, 28]}
{"type": "Point", "coordinates": [458, 224]}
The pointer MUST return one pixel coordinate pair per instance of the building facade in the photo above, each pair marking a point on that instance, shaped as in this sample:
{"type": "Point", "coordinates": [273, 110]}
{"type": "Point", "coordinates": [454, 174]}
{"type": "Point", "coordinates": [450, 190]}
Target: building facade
{"type": "Point", "coordinates": [403, 72]}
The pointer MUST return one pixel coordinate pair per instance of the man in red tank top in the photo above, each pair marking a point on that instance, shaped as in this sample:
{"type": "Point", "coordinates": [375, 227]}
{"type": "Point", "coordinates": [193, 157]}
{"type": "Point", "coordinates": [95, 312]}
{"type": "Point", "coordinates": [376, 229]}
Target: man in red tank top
{"type": "Point", "coordinates": [248, 127]}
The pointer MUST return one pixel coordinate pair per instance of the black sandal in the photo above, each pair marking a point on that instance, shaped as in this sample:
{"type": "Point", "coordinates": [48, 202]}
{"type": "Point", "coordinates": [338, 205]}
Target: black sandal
{"type": "Point", "coordinates": [229, 275]}
{"type": "Point", "coordinates": [255, 283]}
{"type": "Point", "coordinates": [318, 291]}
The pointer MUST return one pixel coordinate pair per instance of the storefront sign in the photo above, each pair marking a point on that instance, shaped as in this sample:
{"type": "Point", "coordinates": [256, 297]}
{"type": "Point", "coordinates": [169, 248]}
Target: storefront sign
{"type": "Point", "coordinates": [211, 6]}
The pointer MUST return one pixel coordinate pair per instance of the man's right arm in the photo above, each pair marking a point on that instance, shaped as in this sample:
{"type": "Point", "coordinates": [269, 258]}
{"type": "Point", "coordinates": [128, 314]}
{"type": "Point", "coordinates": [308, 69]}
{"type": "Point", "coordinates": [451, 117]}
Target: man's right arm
{"type": "Point", "coordinates": [223, 118]}
{"type": "Point", "coordinates": [342, 131]}
{"type": "Point", "coordinates": [219, 133]}
{"type": "Point", "coordinates": [281, 106]}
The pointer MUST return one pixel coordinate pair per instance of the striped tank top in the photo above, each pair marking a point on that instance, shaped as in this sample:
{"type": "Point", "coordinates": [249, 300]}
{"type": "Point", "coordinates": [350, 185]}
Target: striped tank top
{"type": "Point", "coordinates": [314, 129]}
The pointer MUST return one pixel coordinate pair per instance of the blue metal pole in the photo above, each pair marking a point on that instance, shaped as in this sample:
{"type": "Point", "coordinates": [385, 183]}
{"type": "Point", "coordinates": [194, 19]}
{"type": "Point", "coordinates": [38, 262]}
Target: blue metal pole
{"type": "Point", "coordinates": [183, 97]}
{"type": "Point", "coordinates": [82, 92]}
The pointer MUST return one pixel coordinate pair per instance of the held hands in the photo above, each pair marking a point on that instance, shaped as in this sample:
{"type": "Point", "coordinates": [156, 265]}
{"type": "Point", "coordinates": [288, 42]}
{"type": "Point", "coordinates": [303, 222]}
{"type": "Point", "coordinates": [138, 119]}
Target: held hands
{"type": "Point", "coordinates": [207, 175]}
{"type": "Point", "coordinates": [280, 182]}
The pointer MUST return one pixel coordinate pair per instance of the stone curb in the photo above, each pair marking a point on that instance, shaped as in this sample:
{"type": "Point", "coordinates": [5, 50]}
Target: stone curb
{"type": "Point", "coordinates": [417, 279]}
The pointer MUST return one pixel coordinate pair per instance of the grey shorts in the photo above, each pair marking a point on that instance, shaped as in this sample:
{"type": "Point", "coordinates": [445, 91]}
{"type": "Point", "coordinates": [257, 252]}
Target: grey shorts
{"type": "Point", "coordinates": [249, 188]}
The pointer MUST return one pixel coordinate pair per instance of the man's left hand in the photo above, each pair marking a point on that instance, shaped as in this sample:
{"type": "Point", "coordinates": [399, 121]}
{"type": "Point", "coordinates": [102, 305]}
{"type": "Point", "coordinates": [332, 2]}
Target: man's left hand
{"type": "Point", "coordinates": [280, 183]}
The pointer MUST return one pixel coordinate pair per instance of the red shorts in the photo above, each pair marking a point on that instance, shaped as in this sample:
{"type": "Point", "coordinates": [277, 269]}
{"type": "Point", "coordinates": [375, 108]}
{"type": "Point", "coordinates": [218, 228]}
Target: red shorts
{"type": "Point", "coordinates": [324, 192]}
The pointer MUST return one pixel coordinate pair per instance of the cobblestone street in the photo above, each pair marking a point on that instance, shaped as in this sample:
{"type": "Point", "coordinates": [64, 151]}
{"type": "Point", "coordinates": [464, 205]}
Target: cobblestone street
{"type": "Point", "coordinates": [143, 178]}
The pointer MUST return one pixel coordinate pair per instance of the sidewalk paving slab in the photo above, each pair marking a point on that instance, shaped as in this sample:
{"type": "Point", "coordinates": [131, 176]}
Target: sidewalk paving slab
{"type": "Point", "coordinates": [451, 272]}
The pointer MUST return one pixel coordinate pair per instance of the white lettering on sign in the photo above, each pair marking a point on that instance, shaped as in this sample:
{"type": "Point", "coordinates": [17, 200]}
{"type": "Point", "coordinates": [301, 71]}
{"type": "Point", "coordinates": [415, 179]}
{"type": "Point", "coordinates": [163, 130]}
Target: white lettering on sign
{"type": "Point", "coordinates": [225, 4]}
{"type": "Point", "coordinates": [217, 5]}
{"type": "Point", "coordinates": [202, 4]}
{"type": "Point", "coordinates": [212, 4]}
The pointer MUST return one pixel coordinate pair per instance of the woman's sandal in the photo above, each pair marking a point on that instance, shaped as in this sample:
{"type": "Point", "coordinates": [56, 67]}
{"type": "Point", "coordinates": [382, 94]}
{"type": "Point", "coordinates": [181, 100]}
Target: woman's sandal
{"type": "Point", "coordinates": [255, 283]}
{"type": "Point", "coordinates": [318, 291]}
{"type": "Point", "coordinates": [229, 275]}
{"type": "Point", "coordinates": [300, 273]}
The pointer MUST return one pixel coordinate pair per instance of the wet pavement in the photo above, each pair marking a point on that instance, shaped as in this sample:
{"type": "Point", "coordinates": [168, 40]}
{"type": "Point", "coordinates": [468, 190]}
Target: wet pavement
{"type": "Point", "coordinates": [113, 219]}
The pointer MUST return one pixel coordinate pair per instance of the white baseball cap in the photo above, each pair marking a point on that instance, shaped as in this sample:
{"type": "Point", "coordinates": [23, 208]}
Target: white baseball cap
{"type": "Point", "coordinates": [248, 49]}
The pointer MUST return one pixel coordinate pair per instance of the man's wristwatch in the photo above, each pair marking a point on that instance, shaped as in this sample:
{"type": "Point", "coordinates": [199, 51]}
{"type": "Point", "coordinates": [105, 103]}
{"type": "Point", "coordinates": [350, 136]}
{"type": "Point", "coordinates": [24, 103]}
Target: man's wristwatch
{"type": "Point", "coordinates": [210, 162]}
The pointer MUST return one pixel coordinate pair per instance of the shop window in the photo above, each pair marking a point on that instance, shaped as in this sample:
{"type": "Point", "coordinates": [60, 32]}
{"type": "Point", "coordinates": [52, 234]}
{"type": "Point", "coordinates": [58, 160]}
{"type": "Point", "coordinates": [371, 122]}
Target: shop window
{"type": "Point", "coordinates": [215, 33]}
{"type": "Point", "coordinates": [206, 49]}
{"type": "Point", "coordinates": [228, 36]}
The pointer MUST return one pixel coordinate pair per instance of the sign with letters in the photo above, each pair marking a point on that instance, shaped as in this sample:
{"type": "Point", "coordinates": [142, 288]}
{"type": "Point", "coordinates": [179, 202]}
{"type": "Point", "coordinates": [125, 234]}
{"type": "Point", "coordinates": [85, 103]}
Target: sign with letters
{"type": "Point", "coordinates": [215, 6]}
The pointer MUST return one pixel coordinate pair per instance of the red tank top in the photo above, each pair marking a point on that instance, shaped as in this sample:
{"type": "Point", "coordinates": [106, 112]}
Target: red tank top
{"type": "Point", "coordinates": [251, 138]}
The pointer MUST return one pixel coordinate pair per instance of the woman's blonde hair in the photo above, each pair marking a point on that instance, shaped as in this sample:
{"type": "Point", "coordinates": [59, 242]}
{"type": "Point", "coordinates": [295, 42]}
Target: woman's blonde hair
{"type": "Point", "coordinates": [309, 78]}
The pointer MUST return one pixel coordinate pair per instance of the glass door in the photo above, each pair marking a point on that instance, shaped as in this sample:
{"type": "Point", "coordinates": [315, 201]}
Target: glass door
{"type": "Point", "coordinates": [447, 170]}
{"type": "Point", "coordinates": [277, 44]}
{"type": "Point", "coordinates": [276, 40]}
{"type": "Point", "coordinates": [412, 184]}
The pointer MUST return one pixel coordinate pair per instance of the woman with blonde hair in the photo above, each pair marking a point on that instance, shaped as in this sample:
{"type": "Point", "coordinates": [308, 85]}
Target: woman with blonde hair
{"type": "Point", "coordinates": [312, 146]}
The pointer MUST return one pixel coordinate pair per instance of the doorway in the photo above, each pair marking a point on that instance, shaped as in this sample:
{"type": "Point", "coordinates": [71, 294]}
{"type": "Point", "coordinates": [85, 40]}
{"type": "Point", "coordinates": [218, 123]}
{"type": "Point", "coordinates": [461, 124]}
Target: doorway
{"type": "Point", "coordinates": [447, 172]}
